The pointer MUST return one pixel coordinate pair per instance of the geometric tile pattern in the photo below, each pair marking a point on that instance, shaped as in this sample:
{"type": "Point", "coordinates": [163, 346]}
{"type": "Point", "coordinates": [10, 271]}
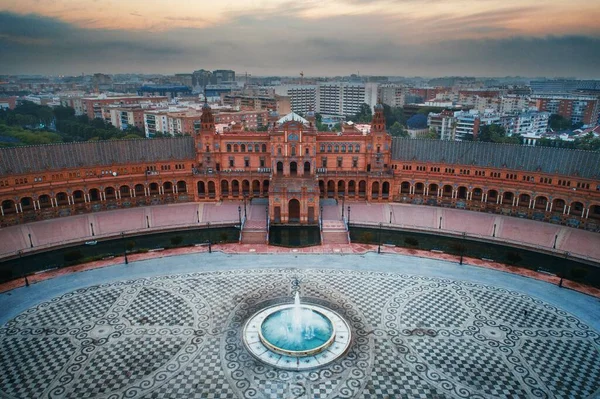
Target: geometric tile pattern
{"type": "Point", "coordinates": [412, 337]}
{"type": "Point", "coordinates": [569, 368]}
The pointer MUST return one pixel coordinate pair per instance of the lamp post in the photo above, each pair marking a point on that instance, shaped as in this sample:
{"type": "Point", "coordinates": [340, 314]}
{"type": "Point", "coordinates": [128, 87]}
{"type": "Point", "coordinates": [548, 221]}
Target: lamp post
{"type": "Point", "coordinates": [379, 238]}
{"type": "Point", "coordinates": [198, 216]}
{"type": "Point", "coordinates": [321, 217]}
{"type": "Point", "coordinates": [494, 233]}
{"type": "Point", "coordinates": [348, 215]}
{"type": "Point", "coordinates": [20, 257]}
{"type": "Point", "coordinates": [267, 217]}
{"type": "Point", "coordinates": [462, 247]}
{"type": "Point", "coordinates": [440, 223]}
{"type": "Point", "coordinates": [555, 238]}
{"type": "Point", "coordinates": [343, 197]}
{"type": "Point", "coordinates": [124, 247]}
{"type": "Point", "coordinates": [245, 214]}
{"type": "Point", "coordinates": [390, 217]}
{"type": "Point", "coordinates": [240, 216]}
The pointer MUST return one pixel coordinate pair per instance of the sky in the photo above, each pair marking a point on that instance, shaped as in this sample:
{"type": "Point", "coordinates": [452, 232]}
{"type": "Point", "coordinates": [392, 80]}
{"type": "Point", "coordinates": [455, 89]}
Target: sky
{"type": "Point", "coordinates": [534, 38]}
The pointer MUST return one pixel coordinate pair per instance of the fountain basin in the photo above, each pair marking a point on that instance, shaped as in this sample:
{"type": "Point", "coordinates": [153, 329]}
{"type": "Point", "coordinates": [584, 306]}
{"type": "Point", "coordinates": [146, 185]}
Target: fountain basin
{"type": "Point", "coordinates": [277, 334]}
{"type": "Point", "coordinates": [315, 357]}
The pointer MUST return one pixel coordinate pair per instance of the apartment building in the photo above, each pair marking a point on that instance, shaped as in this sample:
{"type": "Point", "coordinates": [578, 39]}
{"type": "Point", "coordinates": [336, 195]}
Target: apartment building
{"type": "Point", "coordinates": [578, 109]}
{"type": "Point", "coordinates": [92, 106]}
{"type": "Point", "coordinates": [303, 98]}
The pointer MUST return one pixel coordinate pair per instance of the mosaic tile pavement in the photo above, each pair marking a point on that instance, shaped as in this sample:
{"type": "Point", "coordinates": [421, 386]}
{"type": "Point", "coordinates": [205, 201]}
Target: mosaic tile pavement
{"type": "Point", "coordinates": [413, 337]}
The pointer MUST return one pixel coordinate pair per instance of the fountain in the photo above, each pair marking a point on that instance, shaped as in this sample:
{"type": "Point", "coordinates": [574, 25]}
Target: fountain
{"type": "Point", "coordinates": [296, 336]}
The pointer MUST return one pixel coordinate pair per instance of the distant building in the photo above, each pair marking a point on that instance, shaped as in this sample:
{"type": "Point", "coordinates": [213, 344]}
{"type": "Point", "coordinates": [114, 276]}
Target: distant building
{"type": "Point", "coordinates": [442, 123]}
{"type": "Point", "coordinates": [8, 102]}
{"type": "Point", "coordinates": [469, 123]}
{"type": "Point", "coordinates": [342, 98]}
{"type": "Point", "coordinates": [577, 109]}
{"type": "Point", "coordinates": [92, 106]}
{"type": "Point", "coordinates": [564, 85]}
{"type": "Point", "coordinates": [123, 117]}
{"type": "Point", "coordinates": [531, 123]}
{"type": "Point", "coordinates": [170, 91]}
{"type": "Point", "coordinates": [303, 98]}
{"type": "Point", "coordinates": [220, 76]}
{"type": "Point", "coordinates": [393, 95]}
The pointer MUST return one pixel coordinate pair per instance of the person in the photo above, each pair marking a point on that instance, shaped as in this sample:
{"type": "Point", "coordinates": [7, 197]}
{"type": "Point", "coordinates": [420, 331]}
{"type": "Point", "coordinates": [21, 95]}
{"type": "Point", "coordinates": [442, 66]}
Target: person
{"type": "Point", "coordinates": [560, 283]}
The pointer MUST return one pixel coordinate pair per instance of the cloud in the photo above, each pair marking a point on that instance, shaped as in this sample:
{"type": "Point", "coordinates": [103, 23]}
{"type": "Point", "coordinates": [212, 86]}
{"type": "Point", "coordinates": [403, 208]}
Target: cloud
{"type": "Point", "coordinates": [268, 45]}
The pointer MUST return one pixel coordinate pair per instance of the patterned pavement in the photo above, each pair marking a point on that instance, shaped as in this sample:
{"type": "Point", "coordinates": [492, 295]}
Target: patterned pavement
{"type": "Point", "coordinates": [179, 336]}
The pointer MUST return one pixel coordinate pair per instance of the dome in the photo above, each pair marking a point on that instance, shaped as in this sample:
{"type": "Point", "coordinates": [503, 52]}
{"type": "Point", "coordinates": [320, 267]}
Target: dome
{"type": "Point", "coordinates": [379, 107]}
{"type": "Point", "coordinates": [206, 107]}
{"type": "Point", "coordinates": [418, 121]}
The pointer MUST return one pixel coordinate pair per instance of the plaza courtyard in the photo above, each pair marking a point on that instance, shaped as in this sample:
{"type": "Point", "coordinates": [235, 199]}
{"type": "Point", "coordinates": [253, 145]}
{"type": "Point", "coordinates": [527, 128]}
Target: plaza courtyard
{"type": "Point", "coordinates": [421, 328]}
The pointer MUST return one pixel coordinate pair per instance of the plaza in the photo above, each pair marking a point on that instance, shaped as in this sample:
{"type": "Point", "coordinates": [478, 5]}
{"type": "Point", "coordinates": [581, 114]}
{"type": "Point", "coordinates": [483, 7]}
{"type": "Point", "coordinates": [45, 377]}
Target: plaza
{"type": "Point", "coordinates": [422, 328]}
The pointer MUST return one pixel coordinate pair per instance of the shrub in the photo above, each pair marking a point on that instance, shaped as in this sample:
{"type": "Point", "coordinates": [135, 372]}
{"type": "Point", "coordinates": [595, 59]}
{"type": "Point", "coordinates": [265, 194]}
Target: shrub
{"type": "Point", "coordinates": [224, 237]}
{"type": "Point", "coordinates": [513, 257]}
{"type": "Point", "coordinates": [130, 245]}
{"type": "Point", "coordinates": [72, 256]}
{"type": "Point", "coordinates": [411, 242]}
{"type": "Point", "coordinates": [579, 273]}
{"type": "Point", "coordinates": [366, 237]}
{"type": "Point", "coordinates": [176, 240]}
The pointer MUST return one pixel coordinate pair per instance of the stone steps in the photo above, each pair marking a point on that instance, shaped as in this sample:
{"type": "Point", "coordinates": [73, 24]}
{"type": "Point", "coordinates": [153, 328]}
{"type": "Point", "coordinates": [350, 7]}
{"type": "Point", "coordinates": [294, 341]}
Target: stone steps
{"type": "Point", "coordinates": [335, 237]}
{"type": "Point", "coordinates": [254, 237]}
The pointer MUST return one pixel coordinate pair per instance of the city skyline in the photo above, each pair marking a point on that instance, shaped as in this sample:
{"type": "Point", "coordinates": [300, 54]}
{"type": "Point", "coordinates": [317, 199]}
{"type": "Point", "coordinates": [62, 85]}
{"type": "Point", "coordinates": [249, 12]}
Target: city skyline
{"type": "Point", "coordinates": [403, 37]}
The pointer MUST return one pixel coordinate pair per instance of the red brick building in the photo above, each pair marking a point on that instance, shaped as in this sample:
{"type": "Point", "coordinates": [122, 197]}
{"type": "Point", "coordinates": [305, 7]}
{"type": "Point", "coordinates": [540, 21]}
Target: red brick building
{"type": "Point", "coordinates": [294, 166]}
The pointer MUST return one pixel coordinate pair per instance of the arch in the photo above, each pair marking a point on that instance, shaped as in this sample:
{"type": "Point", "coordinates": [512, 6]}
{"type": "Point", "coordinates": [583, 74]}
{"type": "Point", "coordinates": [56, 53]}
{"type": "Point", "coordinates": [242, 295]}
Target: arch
{"type": "Point", "coordinates": [293, 150]}
{"type": "Point", "coordinates": [212, 190]}
{"type": "Point", "coordinates": [419, 188]}
{"type": "Point", "coordinates": [405, 187]}
{"type": "Point", "coordinates": [577, 208]}
{"type": "Point", "coordinates": [352, 187]}
{"type": "Point", "coordinates": [78, 196]}
{"type": "Point", "coordinates": [337, 148]}
{"type": "Point", "coordinates": [477, 194]}
{"type": "Point", "coordinates": [341, 187]}
{"type": "Point", "coordinates": [26, 204]}
{"type": "Point", "coordinates": [235, 187]}
{"type": "Point", "coordinates": [541, 202]}
{"type": "Point", "coordinates": [181, 186]}
{"type": "Point", "coordinates": [294, 211]}
{"type": "Point", "coordinates": [524, 200]}
{"type": "Point", "coordinates": [201, 188]}
{"type": "Point", "coordinates": [110, 193]}
{"type": "Point", "coordinates": [228, 147]}
{"type": "Point", "coordinates": [245, 187]}
{"type": "Point", "coordinates": [462, 192]}
{"type": "Point", "coordinates": [321, 188]}
{"type": "Point", "coordinates": [265, 187]}
{"type": "Point", "coordinates": [224, 187]}
{"type": "Point", "coordinates": [8, 207]}
{"type": "Point", "coordinates": [154, 189]}
{"type": "Point", "coordinates": [138, 189]}
{"type": "Point", "coordinates": [44, 201]}
{"type": "Point", "coordinates": [243, 148]}
{"type": "Point", "coordinates": [306, 168]}
{"type": "Point", "coordinates": [375, 189]}
{"type": "Point", "coordinates": [264, 148]}
{"type": "Point", "coordinates": [279, 168]}
{"type": "Point", "coordinates": [558, 205]}
{"type": "Point", "coordinates": [94, 194]}
{"type": "Point", "coordinates": [293, 168]}
{"type": "Point", "coordinates": [167, 187]}
{"type": "Point", "coordinates": [594, 212]}
{"type": "Point", "coordinates": [62, 199]}
{"type": "Point", "coordinates": [385, 189]}
{"type": "Point", "coordinates": [124, 192]}
{"type": "Point", "coordinates": [330, 189]}
{"type": "Point", "coordinates": [507, 198]}
{"type": "Point", "coordinates": [257, 148]}
{"type": "Point", "coordinates": [447, 191]}
{"type": "Point", "coordinates": [236, 148]}
{"type": "Point", "coordinates": [255, 188]}
{"type": "Point", "coordinates": [362, 189]}
{"type": "Point", "coordinates": [433, 189]}
{"type": "Point", "coordinates": [492, 195]}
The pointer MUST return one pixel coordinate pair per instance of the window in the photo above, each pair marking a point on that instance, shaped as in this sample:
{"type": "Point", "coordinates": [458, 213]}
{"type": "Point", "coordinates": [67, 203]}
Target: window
{"type": "Point", "coordinates": [324, 162]}
{"type": "Point", "coordinates": [329, 148]}
{"type": "Point", "coordinates": [306, 151]}
{"type": "Point", "coordinates": [496, 175]}
{"type": "Point", "coordinates": [339, 162]}
{"type": "Point", "coordinates": [406, 167]}
{"type": "Point", "coordinates": [465, 171]}
{"type": "Point", "coordinates": [231, 162]}
{"type": "Point", "coordinates": [355, 162]}
{"type": "Point", "coordinates": [350, 147]}
{"type": "Point", "coordinates": [250, 148]}
{"type": "Point", "coordinates": [357, 148]}
{"type": "Point", "coordinates": [264, 148]}
{"type": "Point", "coordinates": [527, 178]}
{"type": "Point", "coordinates": [243, 148]}
{"type": "Point", "coordinates": [278, 150]}
{"type": "Point", "coordinates": [247, 163]}
{"type": "Point", "coordinates": [343, 147]}
{"type": "Point", "coordinates": [435, 169]}
{"type": "Point", "coordinates": [257, 148]}
{"type": "Point", "coordinates": [235, 148]}
{"type": "Point", "coordinates": [449, 170]}
{"type": "Point", "coordinates": [322, 148]}
{"type": "Point", "coordinates": [480, 173]}
{"type": "Point", "coordinates": [545, 180]}
{"type": "Point", "coordinates": [293, 150]}
{"type": "Point", "coordinates": [228, 147]}
{"type": "Point", "coordinates": [421, 168]}
{"type": "Point", "coordinates": [262, 162]}
{"type": "Point", "coordinates": [378, 149]}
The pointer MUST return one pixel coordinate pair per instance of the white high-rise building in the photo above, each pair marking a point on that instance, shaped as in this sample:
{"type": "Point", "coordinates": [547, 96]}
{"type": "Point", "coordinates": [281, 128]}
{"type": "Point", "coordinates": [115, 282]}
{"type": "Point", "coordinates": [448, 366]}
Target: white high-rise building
{"type": "Point", "coordinates": [303, 98]}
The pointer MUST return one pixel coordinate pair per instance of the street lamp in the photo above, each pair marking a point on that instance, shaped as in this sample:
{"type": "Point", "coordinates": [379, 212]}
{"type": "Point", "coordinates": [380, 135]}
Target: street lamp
{"type": "Point", "coordinates": [390, 217]}
{"type": "Point", "coordinates": [343, 197]}
{"type": "Point", "coordinates": [267, 217]}
{"type": "Point", "coordinates": [555, 238]}
{"type": "Point", "coordinates": [348, 215]}
{"type": "Point", "coordinates": [245, 214]}
{"type": "Point", "coordinates": [124, 247]}
{"type": "Point", "coordinates": [494, 233]}
{"type": "Point", "coordinates": [20, 252]}
{"type": "Point", "coordinates": [379, 238]}
{"type": "Point", "coordinates": [440, 223]}
{"type": "Point", "coordinates": [240, 216]}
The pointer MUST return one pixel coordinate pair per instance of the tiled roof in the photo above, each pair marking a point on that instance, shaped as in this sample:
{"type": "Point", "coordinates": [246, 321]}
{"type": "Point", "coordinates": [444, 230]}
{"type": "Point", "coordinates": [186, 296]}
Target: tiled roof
{"type": "Point", "coordinates": [567, 162]}
{"type": "Point", "coordinates": [40, 158]}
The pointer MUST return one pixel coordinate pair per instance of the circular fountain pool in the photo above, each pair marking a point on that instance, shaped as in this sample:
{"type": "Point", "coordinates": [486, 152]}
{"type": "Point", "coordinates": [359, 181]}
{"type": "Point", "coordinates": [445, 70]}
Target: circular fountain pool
{"type": "Point", "coordinates": [296, 336]}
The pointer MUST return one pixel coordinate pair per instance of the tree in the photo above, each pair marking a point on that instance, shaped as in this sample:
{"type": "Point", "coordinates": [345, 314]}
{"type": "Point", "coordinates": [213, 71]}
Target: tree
{"type": "Point", "coordinates": [558, 122]}
{"type": "Point", "coordinates": [393, 115]}
{"type": "Point", "coordinates": [397, 130]}
{"type": "Point", "coordinates": [337, 127]}
{"type": "Point", "coordinates": [431, 135]}
{"type": "Point", "coordinates": [497, 134]}
{"type": "Point", "coordinates": [588, 142]}
{"type": "Point", "coordinates": [364, 115]}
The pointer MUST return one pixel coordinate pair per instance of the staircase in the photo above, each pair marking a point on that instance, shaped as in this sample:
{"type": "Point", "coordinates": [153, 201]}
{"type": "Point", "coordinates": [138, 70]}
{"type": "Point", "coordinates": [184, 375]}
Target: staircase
{"type": "Point", "coordinates": [255, 228]}
{"type": "Point", "coordinates": [334, 227]}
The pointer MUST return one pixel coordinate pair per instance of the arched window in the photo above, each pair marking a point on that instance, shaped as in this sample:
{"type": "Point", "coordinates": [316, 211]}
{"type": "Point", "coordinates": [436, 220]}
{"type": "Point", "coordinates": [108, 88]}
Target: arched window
{"type": "Point", "coordinates": [322, 147]}
{"type": "Point", "coordinates": [264, 148]}
{"type": "Point", "coordinates": [257, 148]}
{"type": "Point", "coordinates": [235, 148]}
{"type": "Point", "coordinates": [337, 148]}
{"type": "Point", "coordinates": [329, 148]}
{"type": "Point", "coordinates": [343, 147]}
{"type": "Point", "coordinates": [350, 148]}
{"type": "Point", "coordinates": [293, 150]}
{"type": "Point", "coordinates": [243, 148]}
{"type": "Point", "coordinates": [357, 148]}
{"type": "Point", "coordinates": [278, 150]}
{"type": "Point", "coordinates": [250, 148]}
{"type": "Point", "coordinates": [228, 147]}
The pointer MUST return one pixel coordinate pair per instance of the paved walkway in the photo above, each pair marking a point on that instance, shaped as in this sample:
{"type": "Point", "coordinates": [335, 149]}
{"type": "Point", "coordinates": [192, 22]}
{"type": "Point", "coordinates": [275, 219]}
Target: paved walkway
{"type": "Point", "coordinates": [503, 229]}
{"type": "Point", "coordinates": [422, 328]}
